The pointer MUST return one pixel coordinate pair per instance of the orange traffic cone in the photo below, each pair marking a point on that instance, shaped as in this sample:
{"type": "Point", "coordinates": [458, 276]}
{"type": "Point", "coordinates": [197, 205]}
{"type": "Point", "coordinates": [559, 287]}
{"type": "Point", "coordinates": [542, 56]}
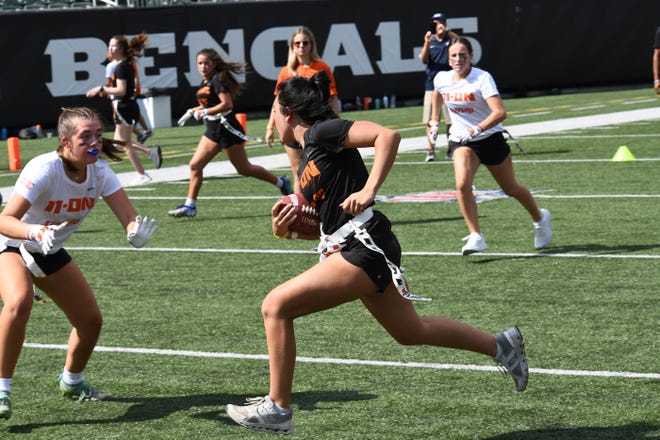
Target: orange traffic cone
{"type": "Point", "coordinates": [14, 152]}
{"type": "Point", "coordinates": [242, 119]}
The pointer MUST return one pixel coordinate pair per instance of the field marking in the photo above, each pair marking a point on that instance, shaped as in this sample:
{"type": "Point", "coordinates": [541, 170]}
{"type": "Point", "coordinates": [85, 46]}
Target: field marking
{"type": "Point", "coordinates": [411, 253]}
{"type": "Point", "coordinates": [336, 361]}
{"type": "Point", "coordinates": [280, 160]}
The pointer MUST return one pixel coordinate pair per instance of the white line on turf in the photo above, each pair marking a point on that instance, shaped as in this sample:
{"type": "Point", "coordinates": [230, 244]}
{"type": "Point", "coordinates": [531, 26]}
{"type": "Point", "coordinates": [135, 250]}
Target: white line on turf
{"type": "Point", "coordinates": [421, 253]}
{"type": "Point", "coordinates": [335, 361]}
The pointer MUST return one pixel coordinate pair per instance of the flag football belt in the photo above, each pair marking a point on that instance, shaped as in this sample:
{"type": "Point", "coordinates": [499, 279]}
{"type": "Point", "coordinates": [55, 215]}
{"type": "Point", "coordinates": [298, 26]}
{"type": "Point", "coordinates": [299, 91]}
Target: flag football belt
{"type": "Point", "coordinates": [515, 141]}
{"type": "Point", "coordinates": [30, 263]}
{"type": "Point", "coordinates": [225, 123]}
{"type": "Point", "coordinates": [330, 244]}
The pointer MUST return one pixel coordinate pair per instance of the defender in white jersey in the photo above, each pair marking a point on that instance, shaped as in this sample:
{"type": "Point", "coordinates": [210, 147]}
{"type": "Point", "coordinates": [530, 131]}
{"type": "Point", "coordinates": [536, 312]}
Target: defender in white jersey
{"type": "Point", "coordinates": [475, 137]}
{"type": "Point", "coordinates": [53, 195]}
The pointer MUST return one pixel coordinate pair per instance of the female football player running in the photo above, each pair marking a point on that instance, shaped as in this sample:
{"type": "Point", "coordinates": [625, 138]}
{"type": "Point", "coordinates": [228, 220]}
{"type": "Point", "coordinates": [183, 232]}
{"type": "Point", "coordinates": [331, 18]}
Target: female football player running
{"type": "Point", "coordinates": [475, 137]}
{"type": "Point", "coordinates": [215, 98]}
{"type": "Point", "coordinates": [360, 254]}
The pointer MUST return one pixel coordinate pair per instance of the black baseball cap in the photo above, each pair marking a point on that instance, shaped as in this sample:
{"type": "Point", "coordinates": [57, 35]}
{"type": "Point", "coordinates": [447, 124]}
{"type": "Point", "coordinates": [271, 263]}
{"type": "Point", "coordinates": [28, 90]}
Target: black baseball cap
{"type": "Point", "coordinates": [439, 16]}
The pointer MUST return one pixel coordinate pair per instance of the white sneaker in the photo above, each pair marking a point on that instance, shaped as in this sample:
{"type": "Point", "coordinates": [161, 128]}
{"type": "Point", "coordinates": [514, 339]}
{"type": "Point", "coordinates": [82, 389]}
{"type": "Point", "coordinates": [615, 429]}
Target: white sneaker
{"type": "Point", "coordinates": [542, 230]}
{"type": "Point", "coordinates": [475, 243]}
{"type": "Point", "coordinates": [260, 414]}
{"type": "Point", "coordinates": [141, 179]}
{"type": "Point", "coordinates": [430, 156]}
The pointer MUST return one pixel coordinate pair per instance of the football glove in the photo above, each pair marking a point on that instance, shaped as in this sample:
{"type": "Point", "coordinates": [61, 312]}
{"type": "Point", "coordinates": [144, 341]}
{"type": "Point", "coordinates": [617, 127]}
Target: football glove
{"type": "Point", "coordinates": [44, 235]}
{"type": "Point", "coordinates": [470, 133]}
{"type": "Point", "coordinates": [200, 113]}
{"type": "Point", "coordinates": [142, 231]}
{"type": "Point", "coordinates": [186, 116]}
{"type": "Point", "coordinates": [433, 131]}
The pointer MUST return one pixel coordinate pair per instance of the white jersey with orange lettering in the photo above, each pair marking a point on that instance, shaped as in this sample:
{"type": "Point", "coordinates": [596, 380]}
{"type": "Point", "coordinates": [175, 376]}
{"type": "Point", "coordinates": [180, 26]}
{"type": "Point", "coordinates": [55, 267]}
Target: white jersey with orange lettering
{"type": "Point", "coordinates": [54, 198]}
{"type": "Point", "coordinates": [466, 100]}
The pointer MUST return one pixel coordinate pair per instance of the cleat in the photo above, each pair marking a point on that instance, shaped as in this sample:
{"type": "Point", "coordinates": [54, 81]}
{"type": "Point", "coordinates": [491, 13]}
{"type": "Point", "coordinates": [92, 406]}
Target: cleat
{"type": "Point", "coordinates": [81, 392]}
{"type": "Point", "coordinates": [475, 243]}
{"type": "Point", "coordinates": [430, 156]}
{"type": "Point", "coordinates": [512, 359]}
{"type": "Point", "coordinates": [5, 404]}
{"type": "Point", "coordinates": [183, 211]}
{"type": "Point", "coordinates": [156, 156]}
{"type": "Point", "coordinates": [142, 137]}
{"type": "Point", "coordinates": [542, 230]}
{"type": "Point", "coordinates": [286, 186]}
{"type": "Point", "coordinates": [260, 414]}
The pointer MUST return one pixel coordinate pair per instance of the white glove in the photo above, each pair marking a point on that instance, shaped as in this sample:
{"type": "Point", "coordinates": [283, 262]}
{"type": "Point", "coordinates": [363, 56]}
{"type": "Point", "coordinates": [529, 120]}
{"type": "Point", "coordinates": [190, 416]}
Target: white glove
{"type": "Point", "coordinates": [200, 113]}
{"type": "Point", "coordinates": [186, 116]}
{"type": "Point", "coordinates": [44, 235]}
{"type": "Point", "coordinates": [142, 231]}
{"type": "Point", "coordinates": [470, 133]}
{"type": "Point", "coordinates": [433, 131]}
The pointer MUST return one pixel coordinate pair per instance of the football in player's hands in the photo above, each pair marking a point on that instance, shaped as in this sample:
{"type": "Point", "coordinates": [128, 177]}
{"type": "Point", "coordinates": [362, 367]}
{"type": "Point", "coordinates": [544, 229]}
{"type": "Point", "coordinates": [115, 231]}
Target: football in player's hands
{"type": "Point", "coordinates": [307, 220]}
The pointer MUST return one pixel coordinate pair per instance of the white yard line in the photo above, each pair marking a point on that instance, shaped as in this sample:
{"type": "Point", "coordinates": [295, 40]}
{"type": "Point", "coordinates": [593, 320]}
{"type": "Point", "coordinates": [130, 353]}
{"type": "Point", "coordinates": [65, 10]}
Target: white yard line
{"type": "Point", "coordinates": [336, 361]}
{"type": "Point", "coordinates": [412, 253]}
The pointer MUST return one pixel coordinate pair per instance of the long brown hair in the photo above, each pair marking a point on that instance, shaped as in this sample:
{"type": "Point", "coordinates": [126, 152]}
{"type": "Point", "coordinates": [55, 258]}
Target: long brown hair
{"type": "Point", "coordinates": [226, 70]}
{"type": "Point", "coordinates": [132, 48]}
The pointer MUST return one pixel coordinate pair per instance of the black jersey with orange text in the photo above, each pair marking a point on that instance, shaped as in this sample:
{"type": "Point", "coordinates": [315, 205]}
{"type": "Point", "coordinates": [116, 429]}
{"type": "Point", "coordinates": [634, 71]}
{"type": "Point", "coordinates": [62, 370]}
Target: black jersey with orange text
{"type": "Point", "coordinates": [125, 71]}
{"type": "Point", "coordinates": [329, 173]}
{"type": "Point", "coordinates": [207, 94]}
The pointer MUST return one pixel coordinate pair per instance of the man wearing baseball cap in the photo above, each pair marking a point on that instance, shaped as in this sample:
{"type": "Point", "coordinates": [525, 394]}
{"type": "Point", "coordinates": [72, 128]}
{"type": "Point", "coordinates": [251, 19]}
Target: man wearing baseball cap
{"type": "Point", "coordinates": [434, 55]}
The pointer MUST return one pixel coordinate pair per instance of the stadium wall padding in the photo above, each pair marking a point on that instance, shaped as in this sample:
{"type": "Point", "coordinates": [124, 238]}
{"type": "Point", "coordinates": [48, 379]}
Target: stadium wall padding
{"type": "Point", "coordinates": [52, 57]}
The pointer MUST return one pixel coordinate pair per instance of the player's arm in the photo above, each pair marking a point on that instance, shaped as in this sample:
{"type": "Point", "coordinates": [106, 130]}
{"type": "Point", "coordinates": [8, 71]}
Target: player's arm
{"type": "Point", "coordinates": [386, 144]}
{"type": "Point", "coordinates": [138, 229]}
{"type": "Point", "coordinates": [10, 217]}
{"type": "Point", "coordinates": [12, 226]}
{"type": "Point", "coordinates": [656, 70]}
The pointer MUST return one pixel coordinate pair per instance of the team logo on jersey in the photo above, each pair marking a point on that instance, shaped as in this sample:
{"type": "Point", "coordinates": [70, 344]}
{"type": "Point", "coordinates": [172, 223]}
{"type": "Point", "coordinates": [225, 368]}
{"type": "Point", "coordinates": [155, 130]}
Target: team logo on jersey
{"type": "Point", "coordinates": [26, 183]}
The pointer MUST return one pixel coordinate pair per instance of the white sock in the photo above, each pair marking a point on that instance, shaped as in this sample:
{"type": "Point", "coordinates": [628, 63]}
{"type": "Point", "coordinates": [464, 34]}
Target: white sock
{"type": "Point", "coordinates": [70, 378]}
{"type": "Point", "coordinates": [190, 202]}
{"type": "Point", "coordinates": [5, 384]}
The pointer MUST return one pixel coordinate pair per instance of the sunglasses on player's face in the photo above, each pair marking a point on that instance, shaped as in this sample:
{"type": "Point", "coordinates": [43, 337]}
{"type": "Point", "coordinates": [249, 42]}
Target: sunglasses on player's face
{"type": "Point", "coordinates": [303, 43]}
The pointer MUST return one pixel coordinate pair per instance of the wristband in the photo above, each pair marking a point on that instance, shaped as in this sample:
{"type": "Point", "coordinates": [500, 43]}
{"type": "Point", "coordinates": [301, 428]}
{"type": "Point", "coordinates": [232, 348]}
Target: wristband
{"type": "Point", "coordinates": [655, 81]}
{"type": "Point", "coordinates": [434, 123]}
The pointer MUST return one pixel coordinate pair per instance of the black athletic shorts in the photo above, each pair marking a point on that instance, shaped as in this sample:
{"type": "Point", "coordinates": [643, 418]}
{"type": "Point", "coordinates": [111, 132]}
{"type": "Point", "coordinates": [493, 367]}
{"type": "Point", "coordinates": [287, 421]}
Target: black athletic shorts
{"type": "Point", "coordinates": [373, 263]}
{"type": "Point", "coordinates": [49, 264]}
{"type": "Point", "coordinates": [220, 135]}
{"type": "Point", "coordinates": [126, 111]}
{"type": "Point", "coordinates": [490, 151]}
